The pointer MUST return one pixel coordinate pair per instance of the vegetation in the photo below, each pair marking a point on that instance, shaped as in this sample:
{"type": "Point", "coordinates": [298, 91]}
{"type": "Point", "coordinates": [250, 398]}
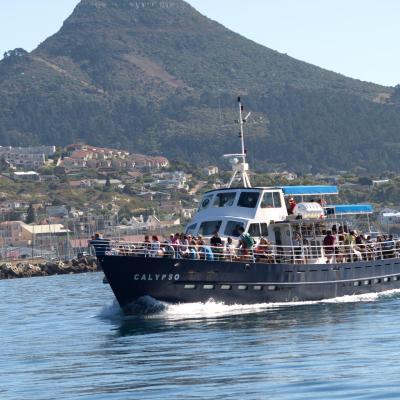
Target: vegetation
{"type": "Point", "coordinates": [163, 80]}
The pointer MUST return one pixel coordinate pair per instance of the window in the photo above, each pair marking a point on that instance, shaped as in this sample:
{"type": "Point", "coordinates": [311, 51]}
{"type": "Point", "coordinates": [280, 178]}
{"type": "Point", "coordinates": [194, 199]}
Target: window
{"type": "Point", "coordinates": [267, 200]}
{"type": "Point", "coordinates": [207, 228]}
{"type": "Point", "coordinates": [264, 229]}
{"type": "Point", "coordinates": [224, 199]}
{"type": "Point", "coordinates": [248, 199]}
{"type": "Point", "coordinates": [205, 202]}
{"type": "Point", "coordinates": [191, 229]}
{"type": "Point", "coordinates": [271, 200]}
{"type": "Point", "coordinates": [277, 200]}
{"type": "Point", "coordinates": [258, 230]}
{"type": "Point", "coordinates": [232, 228]}
{"type": "Point", "coordinates": [254, 230]}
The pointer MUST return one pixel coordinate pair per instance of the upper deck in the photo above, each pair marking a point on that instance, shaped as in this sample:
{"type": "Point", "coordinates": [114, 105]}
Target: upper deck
{"type": "Point", "coordinates": [226, 209]}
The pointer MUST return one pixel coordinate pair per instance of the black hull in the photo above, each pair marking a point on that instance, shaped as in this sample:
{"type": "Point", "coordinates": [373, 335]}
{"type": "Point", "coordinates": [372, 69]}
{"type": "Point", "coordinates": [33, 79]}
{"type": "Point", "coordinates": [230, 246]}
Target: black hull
{"type": "Point", "coordinates": [187, 281]}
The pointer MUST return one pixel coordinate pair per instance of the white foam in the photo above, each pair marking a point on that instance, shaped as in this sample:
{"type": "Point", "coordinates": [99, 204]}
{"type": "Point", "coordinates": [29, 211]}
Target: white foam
{"type": "Point", "coordinates": [151, 308]}
{"type": "Point", "coordinates": [213, 309]}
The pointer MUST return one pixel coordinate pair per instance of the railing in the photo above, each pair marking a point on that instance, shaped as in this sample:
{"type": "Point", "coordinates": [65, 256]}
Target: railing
{"type": "Point", "coordinates": [268, 253]}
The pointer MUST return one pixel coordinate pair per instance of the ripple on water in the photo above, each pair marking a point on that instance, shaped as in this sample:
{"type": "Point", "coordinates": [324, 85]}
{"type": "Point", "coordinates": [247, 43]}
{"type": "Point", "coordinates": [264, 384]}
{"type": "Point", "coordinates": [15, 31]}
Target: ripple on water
{"type": "Point", "coordinates": [66, 337]}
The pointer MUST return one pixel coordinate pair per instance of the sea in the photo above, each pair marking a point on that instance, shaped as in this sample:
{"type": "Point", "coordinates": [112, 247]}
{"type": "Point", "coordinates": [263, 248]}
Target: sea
{"type": "Point", "coordinates": [64, 337]}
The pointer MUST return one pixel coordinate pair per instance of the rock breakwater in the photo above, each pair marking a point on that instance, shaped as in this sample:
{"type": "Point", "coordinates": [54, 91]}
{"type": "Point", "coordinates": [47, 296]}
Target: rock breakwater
{"type": "Point", "coordinates": [26, 269]}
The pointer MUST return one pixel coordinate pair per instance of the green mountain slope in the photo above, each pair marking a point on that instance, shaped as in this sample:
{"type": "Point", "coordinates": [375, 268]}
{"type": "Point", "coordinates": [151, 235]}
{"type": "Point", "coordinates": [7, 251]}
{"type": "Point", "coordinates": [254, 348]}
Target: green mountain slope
{"type": "Point", "coordinates": [156, 76]}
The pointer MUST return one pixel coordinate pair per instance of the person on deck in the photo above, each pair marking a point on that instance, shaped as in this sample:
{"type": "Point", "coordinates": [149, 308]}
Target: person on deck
{"type": "Point", "coordinates": [100, 245]}
{"type": "Point", "coordinates": [329, 246]}
{"type": "Point", "coordinates": [246, 244]}
{"type": "Point", "coordinates": [292, 205]}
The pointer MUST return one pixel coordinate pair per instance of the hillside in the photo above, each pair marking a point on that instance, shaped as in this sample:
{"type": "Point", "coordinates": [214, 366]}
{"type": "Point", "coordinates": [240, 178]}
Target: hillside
{"type": "Point", "coordinates": [158, 77]}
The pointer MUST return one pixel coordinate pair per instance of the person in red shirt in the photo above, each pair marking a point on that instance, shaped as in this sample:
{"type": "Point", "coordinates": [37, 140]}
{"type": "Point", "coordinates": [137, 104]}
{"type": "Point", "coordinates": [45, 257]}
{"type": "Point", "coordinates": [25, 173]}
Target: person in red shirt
{"type": "Point", "coordinates": [292, 205]}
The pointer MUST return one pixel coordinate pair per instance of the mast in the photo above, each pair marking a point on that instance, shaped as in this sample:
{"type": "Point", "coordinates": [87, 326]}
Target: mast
{"type": "Point", "coordinates": [238, 161]}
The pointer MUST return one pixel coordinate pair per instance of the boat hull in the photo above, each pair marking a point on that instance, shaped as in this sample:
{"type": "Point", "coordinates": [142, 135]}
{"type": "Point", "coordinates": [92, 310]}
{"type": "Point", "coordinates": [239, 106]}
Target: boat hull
{"type": "Point", "coordinates": [186, 281]}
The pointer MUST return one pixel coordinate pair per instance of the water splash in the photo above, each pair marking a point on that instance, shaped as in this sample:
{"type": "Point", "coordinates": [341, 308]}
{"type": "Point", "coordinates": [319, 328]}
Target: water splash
{"type": "Point", "coordinates": [149, 307]}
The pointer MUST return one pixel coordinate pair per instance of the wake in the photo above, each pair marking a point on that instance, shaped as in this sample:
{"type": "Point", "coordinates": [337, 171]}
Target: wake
{"type": "Point", "coordinates": [149, 307]}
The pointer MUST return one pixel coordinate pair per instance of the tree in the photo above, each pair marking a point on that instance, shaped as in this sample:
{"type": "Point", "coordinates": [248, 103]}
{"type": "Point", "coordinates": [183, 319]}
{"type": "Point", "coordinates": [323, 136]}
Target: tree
{"type": "Point", "coordinates": [31, 215]}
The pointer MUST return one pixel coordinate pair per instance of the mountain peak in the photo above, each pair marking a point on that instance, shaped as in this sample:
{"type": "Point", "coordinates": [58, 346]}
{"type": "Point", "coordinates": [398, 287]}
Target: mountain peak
{"type": "Point", "coordinates": [157, 76]}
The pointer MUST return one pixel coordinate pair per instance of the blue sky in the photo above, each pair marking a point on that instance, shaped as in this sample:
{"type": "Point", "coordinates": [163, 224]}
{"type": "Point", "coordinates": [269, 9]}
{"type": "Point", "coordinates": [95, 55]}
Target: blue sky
{"type": "Point", "coordinates": [358, 38]}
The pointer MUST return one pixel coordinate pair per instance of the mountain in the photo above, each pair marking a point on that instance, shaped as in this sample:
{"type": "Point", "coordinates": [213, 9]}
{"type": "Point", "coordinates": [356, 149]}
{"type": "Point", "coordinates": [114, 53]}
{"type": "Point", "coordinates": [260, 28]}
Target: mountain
{"type": "Point", "coordinates": [156, 76]}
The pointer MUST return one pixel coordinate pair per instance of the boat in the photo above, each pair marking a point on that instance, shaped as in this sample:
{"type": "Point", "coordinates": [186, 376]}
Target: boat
{"type": "Point", "coordinates": [290, 261]}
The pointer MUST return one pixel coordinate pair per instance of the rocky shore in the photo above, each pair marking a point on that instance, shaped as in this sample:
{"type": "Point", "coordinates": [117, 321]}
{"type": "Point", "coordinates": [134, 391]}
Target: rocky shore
{"type": "Point", "coordinates": [12, 270]}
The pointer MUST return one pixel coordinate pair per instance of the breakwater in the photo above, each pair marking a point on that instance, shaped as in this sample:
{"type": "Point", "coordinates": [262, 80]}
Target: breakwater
{"type": "Point", "coordinates": [26, 269]}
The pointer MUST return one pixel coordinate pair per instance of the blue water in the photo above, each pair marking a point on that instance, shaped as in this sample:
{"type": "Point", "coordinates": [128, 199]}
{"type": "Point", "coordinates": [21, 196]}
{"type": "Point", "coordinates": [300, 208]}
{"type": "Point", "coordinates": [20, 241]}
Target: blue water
{"type": "Point", "coordinates": [63, 337]}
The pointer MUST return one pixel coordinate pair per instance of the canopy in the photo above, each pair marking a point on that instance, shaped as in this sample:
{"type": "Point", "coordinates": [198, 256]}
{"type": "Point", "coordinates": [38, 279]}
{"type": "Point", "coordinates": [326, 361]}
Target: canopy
{"type": "Point", "coordinates": [309, 190]}
{"type": "Point", "coordinates": [349, 209]}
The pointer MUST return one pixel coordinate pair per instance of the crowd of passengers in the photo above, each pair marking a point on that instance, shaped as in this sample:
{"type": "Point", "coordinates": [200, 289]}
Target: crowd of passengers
{"type": "Point", "coordinates": [196, 247]}
{"type": "Point", "coordinates": [339, 245]}
{"type": "Point", "coordinates": [344, 245]}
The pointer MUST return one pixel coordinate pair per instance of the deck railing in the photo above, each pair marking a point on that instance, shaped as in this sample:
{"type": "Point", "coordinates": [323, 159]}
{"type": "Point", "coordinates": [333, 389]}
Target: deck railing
{"type": "Point", "coordinates": [270, 253]}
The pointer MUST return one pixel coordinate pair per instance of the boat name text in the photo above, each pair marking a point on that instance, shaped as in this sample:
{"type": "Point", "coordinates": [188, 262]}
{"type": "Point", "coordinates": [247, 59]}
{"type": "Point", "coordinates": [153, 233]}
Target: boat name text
{"type": "Point", "coordinates": [156, 277]}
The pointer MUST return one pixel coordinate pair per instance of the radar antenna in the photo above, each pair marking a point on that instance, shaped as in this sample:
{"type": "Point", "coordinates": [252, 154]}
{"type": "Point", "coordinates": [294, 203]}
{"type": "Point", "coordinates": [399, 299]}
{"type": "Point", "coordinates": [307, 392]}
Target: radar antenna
{"type": "Point", "coordinates": [238, 161]}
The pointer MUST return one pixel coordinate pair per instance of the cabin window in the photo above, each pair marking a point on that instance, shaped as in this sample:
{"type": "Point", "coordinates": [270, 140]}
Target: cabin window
{"type": "Point", "coordinates": [190, 229]}
{"type": "Point", "coordinates": [277, 200]}
{"type": "Point", "coordinates": [224, 199]}
{"type": "Point", "coordinates": [205, 202]}
{"type": "Point", "coordinates": [258, 230]}
{"type": "Point", "coordinates": [254, 230]}
{"type": "Point", "coordinates": [248, 199]}
{"type": "Point", "coordinates": [232, 228]}
{"type": "Point", "coordinates": [207, 228]}
{"type": "Point", "coordinates": [271, 200]}
{"type": "Point", "coordinates": [267, 200]}
{"type": "Point", "coordinates": [264, 229]}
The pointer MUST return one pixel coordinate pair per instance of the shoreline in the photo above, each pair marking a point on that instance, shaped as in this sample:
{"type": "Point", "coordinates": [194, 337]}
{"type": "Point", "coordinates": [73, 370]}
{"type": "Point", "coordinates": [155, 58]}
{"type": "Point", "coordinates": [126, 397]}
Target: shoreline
{"type": "Point", "coordinates": [29, 268]}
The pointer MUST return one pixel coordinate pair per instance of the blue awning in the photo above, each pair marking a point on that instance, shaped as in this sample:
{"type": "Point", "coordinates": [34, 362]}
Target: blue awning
{"type": "Point", "coordinates": [309, 190]}
{"type": "Point", "coordinates": [349, 209]}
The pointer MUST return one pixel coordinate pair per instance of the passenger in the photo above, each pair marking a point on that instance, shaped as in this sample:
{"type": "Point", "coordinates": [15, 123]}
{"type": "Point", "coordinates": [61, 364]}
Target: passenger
{"type": "Point", "coordinates": [215, 240]}
{"type": "Point", "coordinates": [361, 246]}
{"type": "Point", "coordinates": [329, 246]}
{"type": "Point", "coordinates": [193, 254]}
{"type": "Point", "coordinates": [208, 254]}
{"type": "Point", "coordinates": [175, 244]}
{"type": "Point", "coordinates": [292, 205]}
{"type": "Point", "coordinates": [184, 246]}
{"type": "Point", "coordinates": [263, 251]}
{"type": "Point", "coordinates": [168, 249]}
{"type": "Point", "coordinates": [388, 247]}
{"type": "Point", "coordinates": [229, 249]}
{"type": "Point", "coordinates": [100, 245]}
{"type": "Point", "coordinates": [155, 249]}
{"type": "Point", "coordinates": [216, 244]}
{"type": "Point", "coordinates": [246, 244]}
{"type": "Point", "coordinates": [297, 246]}
{"type": "Point", "coordinates": [146, 245]}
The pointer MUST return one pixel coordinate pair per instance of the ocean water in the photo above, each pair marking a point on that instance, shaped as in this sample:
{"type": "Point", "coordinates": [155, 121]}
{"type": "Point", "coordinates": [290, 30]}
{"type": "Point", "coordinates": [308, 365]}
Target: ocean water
{"type": "Point", "coordinates": [63, 337]}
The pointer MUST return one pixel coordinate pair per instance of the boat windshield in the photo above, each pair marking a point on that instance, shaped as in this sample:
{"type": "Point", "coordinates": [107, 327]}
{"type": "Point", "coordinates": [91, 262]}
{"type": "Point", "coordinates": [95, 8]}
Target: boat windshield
{"type": "Point", "coordinates": [248, 199]}
{"type": "Point", "coordinates": [271, 200]}
{"type": "Point", "coordinates": [225, 199]}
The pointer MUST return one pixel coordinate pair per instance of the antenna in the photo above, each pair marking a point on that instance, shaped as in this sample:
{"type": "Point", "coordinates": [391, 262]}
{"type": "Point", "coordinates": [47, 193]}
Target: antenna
{"type": "Point", "coordinates": [238, 161]}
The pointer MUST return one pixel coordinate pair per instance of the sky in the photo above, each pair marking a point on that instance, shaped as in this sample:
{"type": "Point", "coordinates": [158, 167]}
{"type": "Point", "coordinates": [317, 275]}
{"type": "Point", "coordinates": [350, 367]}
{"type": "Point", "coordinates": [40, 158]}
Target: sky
{"type": "Point", "coordinates": [357, 38]}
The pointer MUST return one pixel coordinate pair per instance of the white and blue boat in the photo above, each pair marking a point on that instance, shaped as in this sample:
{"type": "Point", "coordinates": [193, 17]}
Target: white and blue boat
{"type": "Point", "coordinates": [289, 262]}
